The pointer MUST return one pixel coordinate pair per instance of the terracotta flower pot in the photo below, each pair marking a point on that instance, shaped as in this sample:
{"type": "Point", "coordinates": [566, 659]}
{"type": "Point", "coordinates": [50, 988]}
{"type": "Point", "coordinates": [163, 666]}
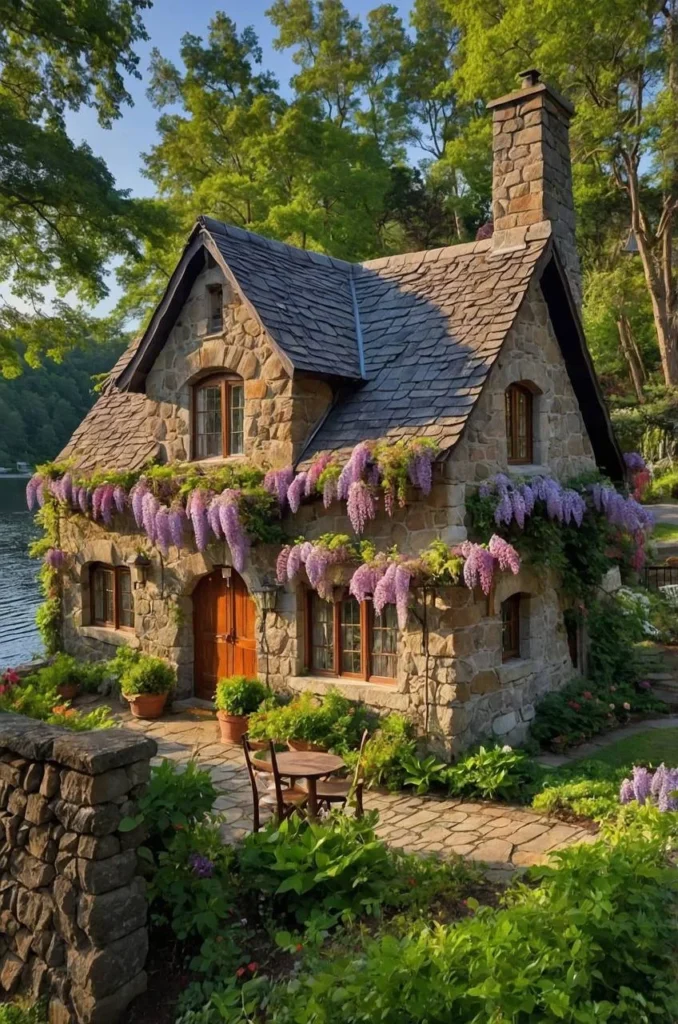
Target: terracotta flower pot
{"type": "Point", "coordinates": [258, 744]}
{"type": "Point", "coordinates": [233, 727]}
{"type": "Point", "coordinates": [147, 705]}
{"type": "Point", "coordinates": [303, 745]}
{"type": "Point", "coordinates": [69, 691]}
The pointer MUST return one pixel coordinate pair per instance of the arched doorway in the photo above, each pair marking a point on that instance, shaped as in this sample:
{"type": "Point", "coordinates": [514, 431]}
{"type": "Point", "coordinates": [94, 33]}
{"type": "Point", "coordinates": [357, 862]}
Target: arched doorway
{"type": "Point", "coordinates": [223, 627]}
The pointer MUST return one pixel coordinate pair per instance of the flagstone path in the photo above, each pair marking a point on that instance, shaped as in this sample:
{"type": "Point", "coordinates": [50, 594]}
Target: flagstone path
{"type": "Point", "coordinates": [504, 838]}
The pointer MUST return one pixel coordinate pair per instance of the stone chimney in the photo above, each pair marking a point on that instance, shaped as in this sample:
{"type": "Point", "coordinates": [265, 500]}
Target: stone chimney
{"type": "Point", "coordinates": [532, 171]}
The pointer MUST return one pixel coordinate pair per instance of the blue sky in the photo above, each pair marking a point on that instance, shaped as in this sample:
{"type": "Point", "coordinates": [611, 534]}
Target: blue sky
{"type": "Point", "coordinates": [166, 22]}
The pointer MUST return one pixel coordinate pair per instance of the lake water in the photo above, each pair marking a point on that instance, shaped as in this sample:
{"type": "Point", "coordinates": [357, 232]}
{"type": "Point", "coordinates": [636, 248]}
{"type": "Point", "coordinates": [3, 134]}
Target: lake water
{"type": "Point", "coordinates": [19, 590]}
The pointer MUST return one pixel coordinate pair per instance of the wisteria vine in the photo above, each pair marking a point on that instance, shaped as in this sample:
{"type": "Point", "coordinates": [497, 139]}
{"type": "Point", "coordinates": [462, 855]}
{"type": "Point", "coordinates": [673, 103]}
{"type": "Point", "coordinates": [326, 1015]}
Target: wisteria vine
{"type": "Point", "coordinates": [515, 502]}
{"type": "Point", "coordinates": [659, 788]}
{"type": "Point", "coordinates": [373, 469]}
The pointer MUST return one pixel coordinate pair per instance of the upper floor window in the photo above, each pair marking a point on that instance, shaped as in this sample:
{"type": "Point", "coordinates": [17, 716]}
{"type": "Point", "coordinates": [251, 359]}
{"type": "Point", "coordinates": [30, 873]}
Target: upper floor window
{"type": "Point", "coordinates": [510, 628]}
{"type": "Point", "coordinates": [215, 307]}
{"type": "Point", "coordinates": [111, 595]}
{"type": "Point", "coordinates": [219, 417]}
{"type": "Point", "coordinates": [347, 639]}
{"type": "Point", "coordinates": [519, 425]}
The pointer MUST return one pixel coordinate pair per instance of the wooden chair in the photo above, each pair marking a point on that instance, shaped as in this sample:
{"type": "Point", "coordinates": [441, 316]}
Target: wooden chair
{"type": "Point", "coordinates": [268, 791]}
{"type": "Point", "coordinates": [341, 791]}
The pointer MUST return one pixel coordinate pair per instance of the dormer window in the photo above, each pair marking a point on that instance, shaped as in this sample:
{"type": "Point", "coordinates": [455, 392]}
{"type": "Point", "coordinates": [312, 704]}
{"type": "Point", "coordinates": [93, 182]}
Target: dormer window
{"type": "Point", "coordinates": [219, 417]}
{"type": "Point", "coordinates": [519, 424]}
{"type": "Point", "coordinates": [215, 307]}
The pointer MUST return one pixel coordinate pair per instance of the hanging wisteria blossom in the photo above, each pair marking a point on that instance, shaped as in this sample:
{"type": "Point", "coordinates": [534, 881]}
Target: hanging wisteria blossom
{"type": "Point", "coordinates": [163, 532]}
{"type": "Point", "coordinates": [354, 470]}
{"type": "Point", "coordinates": [277, 482]}
{"type": "Point", "coordinates": [506, 555]}
{"type": "Point", "coordinates": [296, 491]}
{"type": "Point", "coordinates": [479, 566]}
{"type": "Point", "coordinates": [364, 581]}
{"type": "Point", "coordinates": [55, 558]}
{"type": "Point", "coordinates": [229, 518]}
{"type": "Point", "coordinates": [385, 590]}
{"type": "Point", "coordinates": [120, 498]}
{"type": "Point", "coordinates": [315, 472]}
{"type": "Point", "coordinates": [360, 506]}
{"type": "Point", "coordinates": [402, 593]}
{"type": "Point", "coordinates": [177, 518]}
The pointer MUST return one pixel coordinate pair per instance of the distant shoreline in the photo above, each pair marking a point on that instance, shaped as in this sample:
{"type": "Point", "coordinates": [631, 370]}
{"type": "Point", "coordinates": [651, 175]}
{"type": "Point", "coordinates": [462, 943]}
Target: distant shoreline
{"type": "Point", "coordinates": [15, 476]}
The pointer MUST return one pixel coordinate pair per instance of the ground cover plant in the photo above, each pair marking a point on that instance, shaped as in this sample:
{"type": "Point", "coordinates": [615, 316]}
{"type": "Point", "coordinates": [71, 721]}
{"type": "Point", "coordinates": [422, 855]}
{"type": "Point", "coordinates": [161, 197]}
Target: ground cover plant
{"type": "Point", "coordinates": [556, 950]}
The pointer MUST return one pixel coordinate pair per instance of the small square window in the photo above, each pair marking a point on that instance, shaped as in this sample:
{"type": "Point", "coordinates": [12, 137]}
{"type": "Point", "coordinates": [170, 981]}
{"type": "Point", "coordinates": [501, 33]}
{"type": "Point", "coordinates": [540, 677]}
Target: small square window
{"type": "Point", "coordinates": [215, 300]}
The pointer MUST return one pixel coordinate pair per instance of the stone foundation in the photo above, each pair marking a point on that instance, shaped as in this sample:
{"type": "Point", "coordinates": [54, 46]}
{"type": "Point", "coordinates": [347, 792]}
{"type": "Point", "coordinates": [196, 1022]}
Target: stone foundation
{"type": "Point", "coordinates": [72, 908]}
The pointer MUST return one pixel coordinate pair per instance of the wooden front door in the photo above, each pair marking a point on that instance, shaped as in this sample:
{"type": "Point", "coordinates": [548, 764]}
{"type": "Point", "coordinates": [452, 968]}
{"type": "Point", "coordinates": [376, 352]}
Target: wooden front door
{"type": "Point", "coordinates": [223, 629]}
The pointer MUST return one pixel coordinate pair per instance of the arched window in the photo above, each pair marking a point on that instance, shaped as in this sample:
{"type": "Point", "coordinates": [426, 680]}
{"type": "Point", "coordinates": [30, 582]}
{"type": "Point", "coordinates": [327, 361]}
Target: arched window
{"type": "Point", "coordinates": [111, 596]}
{"type": "Point", "coordinates": [519, 424]}
{"type": "Point", "coordinates": [218, 417]}
{"type": "Point", "coordinates": [510, 628]}
{"type": "Point", "coordinates": [345, 638]}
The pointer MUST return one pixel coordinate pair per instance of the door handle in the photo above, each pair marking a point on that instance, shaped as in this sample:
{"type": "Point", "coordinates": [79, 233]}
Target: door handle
{"type": "Point", "coordinates": [226, 637]}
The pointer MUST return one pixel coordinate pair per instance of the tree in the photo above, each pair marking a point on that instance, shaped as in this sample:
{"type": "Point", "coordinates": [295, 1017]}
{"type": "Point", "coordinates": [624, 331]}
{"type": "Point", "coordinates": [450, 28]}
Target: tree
{"type": "Point", "coordinates": [618, 60]}
{"type": "Point", "coordinates": [61, 216]}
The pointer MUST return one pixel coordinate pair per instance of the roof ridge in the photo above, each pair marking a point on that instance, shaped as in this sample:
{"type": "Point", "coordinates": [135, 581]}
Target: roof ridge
{"type": "Point", "coordinates": [429, 255]}
{"type": "Point", "coordinates": [212, 225]}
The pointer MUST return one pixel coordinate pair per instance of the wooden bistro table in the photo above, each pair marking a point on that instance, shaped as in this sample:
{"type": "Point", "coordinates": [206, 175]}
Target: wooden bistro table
{"type": "Point", "coordinates": [305, 764]}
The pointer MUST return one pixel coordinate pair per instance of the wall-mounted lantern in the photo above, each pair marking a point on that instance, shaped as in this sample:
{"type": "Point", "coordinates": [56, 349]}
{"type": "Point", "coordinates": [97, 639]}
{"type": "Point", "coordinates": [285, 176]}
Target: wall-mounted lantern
{"type": "Point", "coordinates": [226, 572]}
{"type": "Point", "coordinates": [268, 596]}
{"type": "Point", "coordinates": [631, 247]}
{"type": "Point", "coordinates": [139, 567]}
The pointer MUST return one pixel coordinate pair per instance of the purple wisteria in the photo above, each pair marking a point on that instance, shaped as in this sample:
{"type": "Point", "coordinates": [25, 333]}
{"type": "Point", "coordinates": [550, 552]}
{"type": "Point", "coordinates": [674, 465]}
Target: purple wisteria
{"type": "Point", "coordinates": [317, 558]}
{"type": "Point", "coordinates": [277, 482]}
{"type": "Point", "coordinates": [55, 558]}
{"type": "Point", "coordinates": [482, 562]}
{"type": "Point", "coordinates": [659, 789]}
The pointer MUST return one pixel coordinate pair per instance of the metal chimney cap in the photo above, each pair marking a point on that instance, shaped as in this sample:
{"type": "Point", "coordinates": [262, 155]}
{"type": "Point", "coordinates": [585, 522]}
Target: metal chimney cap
{"type": "Point", "coordinates": [530, 77]}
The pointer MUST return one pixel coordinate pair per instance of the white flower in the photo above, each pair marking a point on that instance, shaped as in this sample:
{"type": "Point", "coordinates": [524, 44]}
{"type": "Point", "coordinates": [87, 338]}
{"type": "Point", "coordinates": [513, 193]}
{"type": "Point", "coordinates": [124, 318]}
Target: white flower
{"type": "Point", "coordinates": [506, 749]}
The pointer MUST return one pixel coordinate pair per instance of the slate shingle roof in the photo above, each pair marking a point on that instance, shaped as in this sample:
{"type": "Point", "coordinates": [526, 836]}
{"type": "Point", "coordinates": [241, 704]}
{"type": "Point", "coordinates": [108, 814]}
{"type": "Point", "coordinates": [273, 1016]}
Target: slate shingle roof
{"type": "Point", "coordinates": [432, 325]}
{"type": "Point", "coordinates": [115, 432]}
{"type": "Point", "coordinates": [409, 340]}
{"type": "Point", "coordinates": [304, 299]}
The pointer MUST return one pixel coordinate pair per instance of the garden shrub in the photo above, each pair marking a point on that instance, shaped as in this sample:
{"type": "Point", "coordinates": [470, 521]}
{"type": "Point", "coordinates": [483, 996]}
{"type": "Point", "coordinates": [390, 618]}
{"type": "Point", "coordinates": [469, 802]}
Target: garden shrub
{"type": "Point", "coordinates": [499, 773]}
{"type": "Point", "coordinates": [38, 699]}
{"type": "Point", "coordinates": [65, 670]}
{"type": "Point", "coordinates": [239, 695]}
{"type": "Point", "coordinates": [664, 487]}
{"type": "Point", "coordinates": [302, 867]}
{"type": "Point", "coordinates": [333, 721]}
{"type": "Point", "coordinates": [387, 752]}
{"type": "Point", "coordinates": [147, 674]}
{"type": "Point", "coordinates": [594, 941]}
{"type": "Point", "coordinates": [174, 800]}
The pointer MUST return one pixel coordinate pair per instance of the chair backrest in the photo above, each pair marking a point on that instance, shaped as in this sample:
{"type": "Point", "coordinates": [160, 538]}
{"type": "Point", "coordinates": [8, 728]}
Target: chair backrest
{"type": "Point", "coordinates": [359, 773]}
{"type": "Point", "coordinates": [250, 772]}
{"type": "Point", "coordinates": [276, 781]}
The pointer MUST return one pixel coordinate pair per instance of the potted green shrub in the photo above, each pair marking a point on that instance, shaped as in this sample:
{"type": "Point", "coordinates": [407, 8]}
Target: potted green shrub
{"type": "Point", "coordinates": [146, 683]}
{"type": "Point", "coordinates": [236, 699]}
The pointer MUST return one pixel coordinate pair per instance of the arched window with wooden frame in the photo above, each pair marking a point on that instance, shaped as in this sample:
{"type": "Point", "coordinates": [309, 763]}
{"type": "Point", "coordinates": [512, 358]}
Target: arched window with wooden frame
{"type": "Point", "coordinates": [510, 628]}
{"type": "Point", "coordinates": [346, 639]}
{"type": "Point", "coordinates": [218, 417]}
{"type": "Point", "coordinates": [112, 602]}
{"type": "Point", "coordinates": [519, 403]}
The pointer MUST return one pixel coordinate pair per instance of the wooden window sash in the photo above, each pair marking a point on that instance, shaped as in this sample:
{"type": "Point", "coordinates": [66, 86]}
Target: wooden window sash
{"type": "Point", "coordinates": [215, 321]}
{"type": "Point", "coordinates": [226, 385]}
{"type": "Point", "coordinates": [366, 641]}
{"type": "Point", "coordinates": [115, 572]}
{"type": "Point", "coordinates": [513, 395]}
{"type": "Point", "coordinates": [373, 678]}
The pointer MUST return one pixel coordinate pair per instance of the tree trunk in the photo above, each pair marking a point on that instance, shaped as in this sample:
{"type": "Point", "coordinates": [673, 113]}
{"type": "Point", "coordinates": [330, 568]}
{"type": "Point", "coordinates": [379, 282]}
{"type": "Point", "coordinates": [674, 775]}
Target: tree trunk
{"type": "Point", "coordinates": [630, 356]}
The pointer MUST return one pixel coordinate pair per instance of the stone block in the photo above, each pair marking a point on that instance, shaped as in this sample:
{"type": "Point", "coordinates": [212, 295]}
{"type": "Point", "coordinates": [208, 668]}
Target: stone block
{"type": "Point", "coordinates": [11, 967]}
{"type": "Point", "coordinates": [35, 909]}
{"type": "Point", "coordinates": [113, 915]}
{"type": "Point", "coordinates": [77, 787]}
{"type": "Point", "coordinates": [99, 972]}
{"type": "Point", "coordinates": [527, 712]}
{"type": "Point", "coordinates": [17, 802]}
{"type": "Point", "coordinates": [38, 810]}
{"type": "Point", "coordinates": [97, 752]}
{"type": "Point", "coordinates": [100, 876]}
{"type": "Point", "coordinates": [32, 778]}
{"type": "Point", "coordinates": [31, 872]}
{"type": "Point", "coordinates": [503, 724]}
{"type": "Point", "coordinates": [109, 1010]}
{"type": "Point", "coordinates": [98, 848]}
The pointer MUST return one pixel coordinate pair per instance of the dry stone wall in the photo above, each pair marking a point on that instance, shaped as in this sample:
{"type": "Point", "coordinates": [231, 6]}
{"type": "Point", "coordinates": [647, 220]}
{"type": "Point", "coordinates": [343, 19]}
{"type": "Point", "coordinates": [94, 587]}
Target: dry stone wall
{"type": "Point", "coordinates": [72, 908]}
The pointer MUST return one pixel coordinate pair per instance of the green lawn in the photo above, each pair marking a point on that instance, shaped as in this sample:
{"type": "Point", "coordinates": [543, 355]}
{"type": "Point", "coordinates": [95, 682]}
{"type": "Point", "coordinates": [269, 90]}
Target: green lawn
{"type": "Point", "coordinates": [655, 746]}
{"type": "Point", "coordinates": [665, 532]}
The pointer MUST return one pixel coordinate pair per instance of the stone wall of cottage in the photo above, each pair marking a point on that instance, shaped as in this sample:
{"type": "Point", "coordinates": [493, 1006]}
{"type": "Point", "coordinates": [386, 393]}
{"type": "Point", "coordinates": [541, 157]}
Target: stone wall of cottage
{"type": "Point", "coordinates": [73, 911]}
{"type": "Point", "coordinates": [460, 691]}
{"type": "Point", "coordinates": [280, 413]}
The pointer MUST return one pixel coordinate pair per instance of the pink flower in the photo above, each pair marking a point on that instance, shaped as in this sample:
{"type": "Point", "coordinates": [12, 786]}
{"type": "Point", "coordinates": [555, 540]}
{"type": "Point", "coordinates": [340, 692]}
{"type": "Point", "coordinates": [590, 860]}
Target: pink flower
{"type": "Point", "coordinates": [360, 505]}
{"type": "Point", "coordinates": [626, 706]}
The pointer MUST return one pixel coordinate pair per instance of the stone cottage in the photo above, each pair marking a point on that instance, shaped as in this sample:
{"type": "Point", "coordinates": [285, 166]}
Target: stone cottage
{"type": "Point", "coordinates": [263, 353]}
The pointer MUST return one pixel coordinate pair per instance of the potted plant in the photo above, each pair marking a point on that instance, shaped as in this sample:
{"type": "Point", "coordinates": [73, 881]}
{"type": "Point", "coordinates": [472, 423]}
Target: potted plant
{"type": "Point", "coordinates": [146, 683]}
{"type": "Point", "coordinates": [236, 699]}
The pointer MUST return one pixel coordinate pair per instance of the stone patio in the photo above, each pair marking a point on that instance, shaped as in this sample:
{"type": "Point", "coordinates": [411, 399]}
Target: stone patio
{"type": "Point", "coordinates": [505, 838]}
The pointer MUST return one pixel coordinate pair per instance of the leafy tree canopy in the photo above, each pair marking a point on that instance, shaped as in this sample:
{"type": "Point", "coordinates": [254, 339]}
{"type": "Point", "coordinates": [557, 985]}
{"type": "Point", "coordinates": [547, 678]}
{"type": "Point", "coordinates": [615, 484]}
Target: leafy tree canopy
{"type": "Point", "coordinates": [61, 216]}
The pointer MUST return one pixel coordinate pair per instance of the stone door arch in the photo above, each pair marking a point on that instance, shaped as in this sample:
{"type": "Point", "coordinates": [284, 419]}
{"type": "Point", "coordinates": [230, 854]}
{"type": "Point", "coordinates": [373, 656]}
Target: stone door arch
{"type": "Point", "coordinates": [223, 630]}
